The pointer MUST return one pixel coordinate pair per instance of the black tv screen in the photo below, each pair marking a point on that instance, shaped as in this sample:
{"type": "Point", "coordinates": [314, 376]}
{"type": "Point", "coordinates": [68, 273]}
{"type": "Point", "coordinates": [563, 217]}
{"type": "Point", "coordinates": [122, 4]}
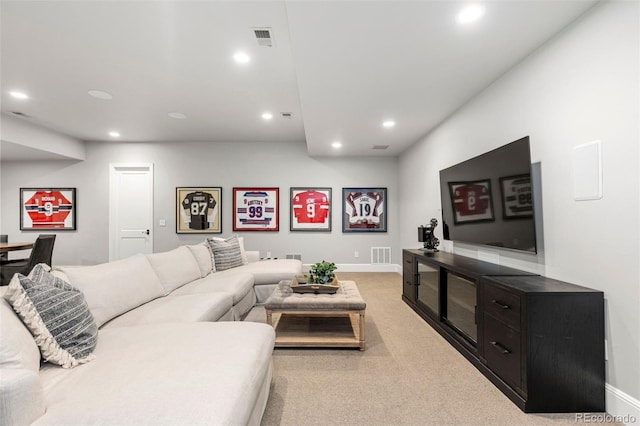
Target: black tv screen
{"type": "Point", "coordinates": [488, 199]}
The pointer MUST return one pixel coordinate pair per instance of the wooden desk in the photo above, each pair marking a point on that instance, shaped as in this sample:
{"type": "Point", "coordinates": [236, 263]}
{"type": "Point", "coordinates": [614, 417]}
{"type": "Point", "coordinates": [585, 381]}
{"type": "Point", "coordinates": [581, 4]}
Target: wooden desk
{"type": "Point", "coordinates": [7, 247]}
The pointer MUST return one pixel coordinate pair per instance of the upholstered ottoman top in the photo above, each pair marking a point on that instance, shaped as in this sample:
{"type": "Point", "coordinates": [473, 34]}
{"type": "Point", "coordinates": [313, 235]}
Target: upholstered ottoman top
{"type": "Point", "coordinates": [346, 298]}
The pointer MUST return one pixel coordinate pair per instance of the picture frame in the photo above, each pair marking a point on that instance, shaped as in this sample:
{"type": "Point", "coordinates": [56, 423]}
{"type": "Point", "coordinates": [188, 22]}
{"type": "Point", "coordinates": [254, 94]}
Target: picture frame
{"type": "Point", "coordinates": [256, 209]}
{"type": "Point", "coordinates": [516, 196]}
{"type": "Point", "coordinates": [198, 210]}
{"type": "Point", "coordinates": [471, 201]}
{"type": "Point", "coordinates": [364, 209]}
{"type": "Point", "coordinates": [53, 209]}
{"type": "Point", "coordinates": [310, 209]}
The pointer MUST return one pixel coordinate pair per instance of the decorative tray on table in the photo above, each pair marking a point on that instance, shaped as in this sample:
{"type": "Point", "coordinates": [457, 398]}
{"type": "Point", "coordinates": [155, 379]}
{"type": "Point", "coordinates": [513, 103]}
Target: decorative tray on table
{"type": "Point", "coordinates": [300, 284]}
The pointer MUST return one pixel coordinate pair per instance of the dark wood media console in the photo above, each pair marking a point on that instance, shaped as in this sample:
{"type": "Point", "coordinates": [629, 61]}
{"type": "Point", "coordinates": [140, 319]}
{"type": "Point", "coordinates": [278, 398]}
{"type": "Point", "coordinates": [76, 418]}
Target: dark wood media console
{"type": "Point", "coordinates": [539, 340]}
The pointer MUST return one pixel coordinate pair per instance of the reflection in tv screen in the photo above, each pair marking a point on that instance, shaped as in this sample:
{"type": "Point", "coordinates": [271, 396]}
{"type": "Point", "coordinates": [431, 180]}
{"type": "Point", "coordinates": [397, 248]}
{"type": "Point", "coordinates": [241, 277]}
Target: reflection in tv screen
{"type": "Point", "coordinates": [488, 199]}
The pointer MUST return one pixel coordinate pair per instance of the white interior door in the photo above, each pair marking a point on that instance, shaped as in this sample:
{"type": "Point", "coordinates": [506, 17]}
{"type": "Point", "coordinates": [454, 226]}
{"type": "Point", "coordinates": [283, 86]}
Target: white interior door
{"type": "Point", "coordinates": [130, 210]}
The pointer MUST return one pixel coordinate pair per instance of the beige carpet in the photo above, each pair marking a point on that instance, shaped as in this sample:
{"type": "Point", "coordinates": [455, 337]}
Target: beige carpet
{"type": "Point", "coordinates": [408, 375]}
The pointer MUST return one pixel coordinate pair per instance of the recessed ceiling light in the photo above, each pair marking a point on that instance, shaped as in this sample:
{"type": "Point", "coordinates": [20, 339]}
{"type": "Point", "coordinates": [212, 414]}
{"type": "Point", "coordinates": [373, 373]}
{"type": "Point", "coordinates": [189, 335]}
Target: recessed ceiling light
{"type": "Point", "coordinates": [267, 116]}
{"type": "Point", "coordinates": [336, 144]}
{"type": "Point", "coordinates": [19, 95]}
{"type": "Point", "coordinates": [177, 115]}
{"type": "Point", "coordinates": [388, 124]}
{"type": "Point", "coordinates": [114, 134]}
{"type": "Point", "coordinates": [241, 58]}
{"type": "Point", "coordinates": [99, 94]}
{"type": "Point", "coordinates": [470, 13]}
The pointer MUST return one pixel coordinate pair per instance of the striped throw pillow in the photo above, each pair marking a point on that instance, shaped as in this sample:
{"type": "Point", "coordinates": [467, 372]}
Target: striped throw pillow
{"type": "Point", "coordinates": [57, 315]}
{"type": "Point", "coordinates": [226, 253]}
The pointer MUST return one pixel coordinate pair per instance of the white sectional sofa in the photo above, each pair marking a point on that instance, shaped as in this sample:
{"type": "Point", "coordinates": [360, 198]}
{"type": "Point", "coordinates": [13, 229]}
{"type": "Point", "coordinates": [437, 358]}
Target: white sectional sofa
{"type": "Point", "coordinates": [170, 346]}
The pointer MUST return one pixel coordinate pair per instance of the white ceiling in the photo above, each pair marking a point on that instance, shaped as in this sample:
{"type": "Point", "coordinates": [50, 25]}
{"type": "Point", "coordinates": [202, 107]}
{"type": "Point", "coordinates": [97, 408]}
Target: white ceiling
{"type": "Point", "coordinates": [340, 67]}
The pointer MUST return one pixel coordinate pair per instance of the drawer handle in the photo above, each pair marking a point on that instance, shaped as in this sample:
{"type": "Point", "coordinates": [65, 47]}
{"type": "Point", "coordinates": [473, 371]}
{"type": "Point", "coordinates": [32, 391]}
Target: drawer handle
{"type": "Point", "coordinates": [501, 304]}
{"type": "Point", "coordinates": [409, 261]}
{"type": "Point", "coordinates": [501, 348]}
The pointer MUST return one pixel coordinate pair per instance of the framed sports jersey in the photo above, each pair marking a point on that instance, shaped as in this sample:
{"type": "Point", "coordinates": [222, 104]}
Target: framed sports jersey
{"type": "Point", "coordinates": [310, 209]}
{"type": "Point", "coordinates": [198, 210]}
{"type": "Point", "coordinates": [48, 208]}
{"type": "Point", "coordinates": [364, 209]}
{"type": "Point", "coordinates": [517, 199]}
{"type": "Point", "coordinates": [471, 201]}
{"type": "Point", "coordinates": [255, 209]}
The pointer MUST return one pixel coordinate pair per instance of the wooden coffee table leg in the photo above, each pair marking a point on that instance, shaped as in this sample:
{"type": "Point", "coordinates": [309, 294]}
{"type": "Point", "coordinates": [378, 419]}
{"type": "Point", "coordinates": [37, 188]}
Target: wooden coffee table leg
{"type": "Point", "coordinates": [361, 325]}
{"type": "Point", "coordinates": [269, 317]}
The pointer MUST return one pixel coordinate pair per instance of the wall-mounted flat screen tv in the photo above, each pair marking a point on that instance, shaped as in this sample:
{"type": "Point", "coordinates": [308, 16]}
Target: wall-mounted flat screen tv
{"type": "Point", "coordinates": [488, 199]}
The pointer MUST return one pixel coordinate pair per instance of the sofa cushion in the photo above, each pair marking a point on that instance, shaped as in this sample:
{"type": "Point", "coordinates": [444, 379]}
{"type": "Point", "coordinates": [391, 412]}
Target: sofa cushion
{"type": "Point", "coordinates": [175, 373]}
{"type": "Point", "coordinates": [175, 267]}
{"type": "Point", "coordinates": [273, 271]}
{"type": "Point", "coordinates": [114, 288]}
{"type": "Point", "coordinates": [234, 281]}
{"type": "Point", "coordinates": [226, 252]}
{"type": "Point", "coordinates": [18, 349]}
{"type": "Point", "coordinates": [203, 256]}
{"type": "Point", "coordinates": [186, 308]}
{"type": "Point", "coordinates": [57, 315]}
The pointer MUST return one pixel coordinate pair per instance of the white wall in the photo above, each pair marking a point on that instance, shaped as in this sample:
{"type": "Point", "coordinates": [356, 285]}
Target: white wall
{"type": "Point", "coordinates": [227, 165]}
{"type": "Point", "coordinates": [581, 86]}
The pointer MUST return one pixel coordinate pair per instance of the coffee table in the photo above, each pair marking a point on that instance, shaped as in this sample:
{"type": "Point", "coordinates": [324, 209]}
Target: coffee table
{"type": "Point", "coordinates": [317, 320]}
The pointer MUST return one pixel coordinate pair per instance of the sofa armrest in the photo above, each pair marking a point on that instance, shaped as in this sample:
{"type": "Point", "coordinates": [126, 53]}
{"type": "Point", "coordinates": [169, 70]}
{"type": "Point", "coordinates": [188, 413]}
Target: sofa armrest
{"type": "Point", "coordinates": [252, 255]}
{"type": "Point", "coordinates": [21, 396]}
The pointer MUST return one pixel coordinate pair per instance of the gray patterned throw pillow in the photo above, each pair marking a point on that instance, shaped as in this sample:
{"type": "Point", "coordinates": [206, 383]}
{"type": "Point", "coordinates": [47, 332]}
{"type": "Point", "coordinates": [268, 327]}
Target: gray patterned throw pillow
{"type": "Point", "coordinates": [226, 253]}
{"type": "Point", "coordinates": [57, 315]}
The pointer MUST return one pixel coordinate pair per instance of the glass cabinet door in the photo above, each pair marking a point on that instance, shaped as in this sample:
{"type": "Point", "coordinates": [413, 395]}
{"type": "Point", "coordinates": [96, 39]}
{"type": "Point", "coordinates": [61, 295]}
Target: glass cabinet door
{"type": "Point", "coordinates": [428, 293]}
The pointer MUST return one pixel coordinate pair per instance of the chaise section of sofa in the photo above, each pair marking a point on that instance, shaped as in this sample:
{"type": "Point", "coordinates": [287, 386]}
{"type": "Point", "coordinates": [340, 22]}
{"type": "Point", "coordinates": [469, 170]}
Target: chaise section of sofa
{"type": "Point", "coordinates": [175, 373]}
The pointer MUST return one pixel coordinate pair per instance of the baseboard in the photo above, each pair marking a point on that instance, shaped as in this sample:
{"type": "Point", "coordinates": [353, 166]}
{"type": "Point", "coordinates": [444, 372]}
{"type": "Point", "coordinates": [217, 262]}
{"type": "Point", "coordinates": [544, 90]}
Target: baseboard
{"type": "Point", "coordinates": [621, 406]}
{"type": "Point", "coordinates": [362, 267]}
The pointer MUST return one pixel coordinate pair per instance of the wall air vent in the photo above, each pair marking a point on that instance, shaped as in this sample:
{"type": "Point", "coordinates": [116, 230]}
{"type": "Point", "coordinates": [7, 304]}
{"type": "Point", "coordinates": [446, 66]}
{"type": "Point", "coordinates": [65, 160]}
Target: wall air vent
{"type": "Point", "coordinates": [380, 146]}
{"type": "Point", "coordinates": [263, 36]}
{"type": "Point", "coordinates": [287, 115]}
{"type": "Point", "coordinates": [294, 256]}
{"type": "Point", "coordinates": [380, 255]}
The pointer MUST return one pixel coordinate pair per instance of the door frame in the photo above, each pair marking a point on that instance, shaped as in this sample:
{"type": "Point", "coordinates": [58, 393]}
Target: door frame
{"type": "Point", "coordinates": [114, 170]}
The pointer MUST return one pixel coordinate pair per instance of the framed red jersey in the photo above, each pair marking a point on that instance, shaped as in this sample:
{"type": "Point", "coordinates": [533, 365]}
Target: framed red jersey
{"type": "Point", "coordinates": [48, 208]}
{"type": "Point", "coordinates": [310, 209]}
{"type": "Point", "coordinates": [471, 201]}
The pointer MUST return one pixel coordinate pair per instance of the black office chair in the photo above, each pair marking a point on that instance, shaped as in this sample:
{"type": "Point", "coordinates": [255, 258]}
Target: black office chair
{"type": "Point", "coordinates": [42, 252]}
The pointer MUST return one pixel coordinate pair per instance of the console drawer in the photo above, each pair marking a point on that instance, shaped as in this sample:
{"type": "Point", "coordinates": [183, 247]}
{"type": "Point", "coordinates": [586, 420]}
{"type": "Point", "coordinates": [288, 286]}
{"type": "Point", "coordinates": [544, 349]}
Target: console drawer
{"type": "Point", "coordinates": [502, 351]}
{"type": "Point", "coordinates": [502, 305]}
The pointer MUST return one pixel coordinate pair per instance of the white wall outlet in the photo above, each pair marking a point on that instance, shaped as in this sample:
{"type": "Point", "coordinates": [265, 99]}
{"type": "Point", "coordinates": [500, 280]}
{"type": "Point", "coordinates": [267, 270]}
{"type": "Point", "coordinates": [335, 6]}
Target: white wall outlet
{"type": "Point", "coordinates": [268, 255]}
{"type": "Point", "coordinates": [356, 254]}
{"type": "Point", "coordinates": [162, 222]}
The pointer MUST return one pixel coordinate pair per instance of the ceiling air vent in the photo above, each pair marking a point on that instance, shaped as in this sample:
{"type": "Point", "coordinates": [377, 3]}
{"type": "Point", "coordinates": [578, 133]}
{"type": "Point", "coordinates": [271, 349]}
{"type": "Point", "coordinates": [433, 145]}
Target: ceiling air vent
{"type": "Point", "coordinates": [380, 146]}
{"type": "Point", "coordinates": [263, 36]}
{"type": "Point", "coordinates": [287, 115]}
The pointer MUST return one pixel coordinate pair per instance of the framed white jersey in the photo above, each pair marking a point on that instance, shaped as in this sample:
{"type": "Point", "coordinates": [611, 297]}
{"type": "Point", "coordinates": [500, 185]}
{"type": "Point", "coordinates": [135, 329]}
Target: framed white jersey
{"type": "Point", "coordinates": [198, 210]}
{"type": "Point", "coordinates": [517, 201]}
{"type": "Point", "coordinates": [310, 209]}
{"type": "Point", "coordinates": [364, 209]}
{"type": "Point", "coordinates": [47, 208]}
{"type": "Point", "coordinates": [471, 201]}
{"type": "Point", "coordinates": [255, 209]}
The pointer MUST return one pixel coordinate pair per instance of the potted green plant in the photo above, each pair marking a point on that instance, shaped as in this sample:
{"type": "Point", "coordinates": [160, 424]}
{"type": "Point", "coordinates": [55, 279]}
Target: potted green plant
{"type": "Point", "coordinates": [322, 272]}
